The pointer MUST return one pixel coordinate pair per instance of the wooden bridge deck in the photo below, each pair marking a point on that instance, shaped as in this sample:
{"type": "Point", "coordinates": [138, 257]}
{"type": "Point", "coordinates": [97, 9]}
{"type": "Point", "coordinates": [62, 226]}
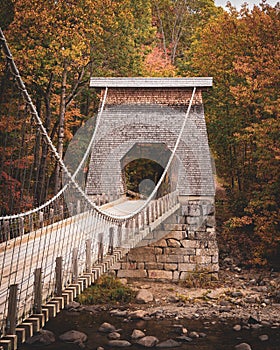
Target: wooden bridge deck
{"type": "Point", "coordinates": [22, 255]}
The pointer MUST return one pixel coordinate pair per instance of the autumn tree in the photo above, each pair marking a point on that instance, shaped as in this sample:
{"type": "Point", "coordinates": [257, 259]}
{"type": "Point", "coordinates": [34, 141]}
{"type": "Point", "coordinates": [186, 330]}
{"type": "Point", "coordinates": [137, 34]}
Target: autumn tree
{"type": "Point", "coordinates": [177, 22]}
{"type": "Point", "coordinates": [243, 119]}
{"type": "Point", "coordinates": [58, 46]}
{"type": "Point", "coordinates": [6, 13]}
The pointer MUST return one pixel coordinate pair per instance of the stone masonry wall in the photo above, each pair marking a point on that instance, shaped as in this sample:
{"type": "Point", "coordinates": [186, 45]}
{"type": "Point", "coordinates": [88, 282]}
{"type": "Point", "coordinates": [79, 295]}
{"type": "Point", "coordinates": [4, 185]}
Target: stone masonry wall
{"type": "Point", "coordinates": [176, 250]}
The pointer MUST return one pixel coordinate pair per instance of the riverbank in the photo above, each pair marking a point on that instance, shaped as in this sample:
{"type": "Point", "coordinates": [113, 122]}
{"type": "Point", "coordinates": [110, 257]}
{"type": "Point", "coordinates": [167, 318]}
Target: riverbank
{"type": "Point", "coordinates": [239, 311]}
{"type": "Point", "coordinates": [238, 294]}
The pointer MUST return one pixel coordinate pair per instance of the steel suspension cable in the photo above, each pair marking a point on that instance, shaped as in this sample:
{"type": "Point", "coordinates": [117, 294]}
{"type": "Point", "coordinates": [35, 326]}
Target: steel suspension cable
{"type": "Point", "coordinates": [60, 161]}
{"type": "Point", "coordinates": [34, 112]}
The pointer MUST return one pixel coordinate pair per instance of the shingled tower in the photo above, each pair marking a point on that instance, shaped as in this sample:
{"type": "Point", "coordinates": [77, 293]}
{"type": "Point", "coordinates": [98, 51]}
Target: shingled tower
{"type": "Point", "coordinates": [151, 111]}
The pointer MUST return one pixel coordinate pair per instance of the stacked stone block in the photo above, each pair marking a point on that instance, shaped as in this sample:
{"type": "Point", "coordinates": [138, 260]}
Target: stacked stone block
{"type": "Point", "coordinates": [184, 244]}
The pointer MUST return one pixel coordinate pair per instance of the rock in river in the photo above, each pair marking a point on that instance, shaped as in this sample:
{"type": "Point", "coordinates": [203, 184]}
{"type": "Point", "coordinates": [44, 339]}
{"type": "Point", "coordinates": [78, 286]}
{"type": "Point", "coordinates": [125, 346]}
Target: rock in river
{"type": "Point", "coordinates": [44, 337]}
{"type": "Point", "coordinates": [137, 334]}
{"type": "Point", "coordinates": [169, 344]}
{"type": "Point", "coordinates": [119, 343]}
{"type": "Point", "coordinates": [107, 328]}
{"type": "Point", "coordinates": [263, 337]}
{"type": "Point", "coordinates": [243, 346]}
{"type": "Point", "coordinates": [114, 336]}
{"type": "Point", "coordinates": [138, 314]}
{"type": "Point", "coordinates": [74, 337]}
{"type": "Point", "coordinates": [237, 327]}
{"type": "Point", "coordinates": [148, 341]}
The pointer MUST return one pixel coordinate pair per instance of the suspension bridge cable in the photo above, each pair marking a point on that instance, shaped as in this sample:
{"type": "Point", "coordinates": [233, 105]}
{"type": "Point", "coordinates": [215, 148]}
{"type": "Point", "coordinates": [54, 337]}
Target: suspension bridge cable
{"type": "Point", "coordinates": [34, 112]}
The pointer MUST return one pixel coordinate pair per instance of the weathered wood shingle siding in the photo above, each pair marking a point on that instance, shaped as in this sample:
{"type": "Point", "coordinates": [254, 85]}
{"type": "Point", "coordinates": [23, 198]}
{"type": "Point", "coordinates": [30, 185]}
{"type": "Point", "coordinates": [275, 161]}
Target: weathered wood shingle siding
{"type": "Point", "coordinates": [151, 115]}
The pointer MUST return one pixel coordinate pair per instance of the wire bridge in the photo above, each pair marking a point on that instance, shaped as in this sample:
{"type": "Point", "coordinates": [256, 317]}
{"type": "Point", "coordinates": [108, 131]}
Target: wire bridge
{"type": "Point", "coordinates": [46, 268]}
{"type": "Point", "coordinates": [60, 245]}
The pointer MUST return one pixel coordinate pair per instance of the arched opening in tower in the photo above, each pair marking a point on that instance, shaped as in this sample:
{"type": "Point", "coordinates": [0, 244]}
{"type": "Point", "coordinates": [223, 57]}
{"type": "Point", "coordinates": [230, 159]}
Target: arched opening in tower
{"type": "Point", "coordinates": [142, 168]}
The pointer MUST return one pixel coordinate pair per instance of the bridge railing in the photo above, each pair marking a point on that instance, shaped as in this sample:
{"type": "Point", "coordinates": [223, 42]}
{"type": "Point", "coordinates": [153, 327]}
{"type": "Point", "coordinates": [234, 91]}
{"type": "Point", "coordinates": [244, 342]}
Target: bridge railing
{"type": "Point", "coordinates": [57, 253]}
{"type": "Point", "coordinates": [19, 225]}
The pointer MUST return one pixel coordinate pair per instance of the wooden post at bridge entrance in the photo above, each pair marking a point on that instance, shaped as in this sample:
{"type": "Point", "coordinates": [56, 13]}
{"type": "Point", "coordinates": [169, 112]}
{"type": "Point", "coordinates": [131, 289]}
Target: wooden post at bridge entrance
{"type": "Point", "coordinates": [37, 307]}
{"type": "Point", "coordinates": [12, 310]}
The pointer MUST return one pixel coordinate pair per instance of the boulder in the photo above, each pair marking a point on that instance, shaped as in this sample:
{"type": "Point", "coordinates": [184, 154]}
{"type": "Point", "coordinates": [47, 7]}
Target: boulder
{"type": "Point", "coordinates": [144, 296]}
{"type": "Point", "coordinates": [178, 328]}
{"type": "Point", "coordinates": [119, 343]}
{"type": "Point", "coordinates": [263, 337]}
{"type": "Point", "coordinates": [138, 314]}
{"type": "Point", "coordinates": [184, 338]}
{"type": "Point", "coordinates": [107, 328]}
{"type": "Point", "coordinates": [74, 337]}
{"type": "Point", "coordinates": [242, 346]}
{"type": "Point", "coordinates": [148, 341]}
{"type": "Point", "coordinates": [193, 335]}
{"type": "Point", "coordinates": [118, 313]}
{"type": "Point", "coordinates": [114, 336]}
{"type": "Point", "coordinates": [137, 334]}
{"type": "Point", "coordinates": [44, 337]}
{"type": "Point", "coordinates": [73, 305]}
{"type": "Point", "coordinates": [168, 344]}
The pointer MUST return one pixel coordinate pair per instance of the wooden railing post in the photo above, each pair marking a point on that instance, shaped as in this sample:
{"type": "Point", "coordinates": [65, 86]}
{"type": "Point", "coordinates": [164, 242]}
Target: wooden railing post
{"type": "Point", "coordinates": [127, 228]}
{"type": "Point", "coordinates": [160, 207]}
{"type": "Point", "coordinates": [71, 209]}
{"type": "Point", "coordinates": [152, 212]}
{"type": "Point", "coordinates": [148, 215]}
{"type": "Point", "coordinates": [100, 248]}
{"type": "Point", "coordinates": [119, 236]}
{"type": "Point", "coordinates": [7, 233]}
{"type": "Point", "coordinates": [61, 209]}
{"type": "Point", "coordinates": [137, 223]}
{"type": "Point", "coordinates": [143, 219]}
{"type": "Point", "coordinates": [111, 241]}
{"type": "Point", "coordinates": [21, 226]}
{"type": "Point", "coordinates": [12, 310]}
{"type": "Point", "coordinates": [132, 228]}
{"type": "Point", "coordinates": [41, 219]}
{"type": "Point", "coordinates": [58, 276]}
{"type": "Point", "coordinates": [75, 265]}
{"type": "Point", "coordinates": [38, 298]}
{"type": "Point", "coordinates": [88, 255]}
{"type": "Point", "coordinates": [31, 223]}
{"type": "Point", "coordinates": [156, 209]}
{"type": "Point", "coordinates": [51, 215]}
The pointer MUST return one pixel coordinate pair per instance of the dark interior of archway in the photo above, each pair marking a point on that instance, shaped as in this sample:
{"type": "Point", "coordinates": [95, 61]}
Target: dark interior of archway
{"type": "Point", "coordinates": [138, 170]}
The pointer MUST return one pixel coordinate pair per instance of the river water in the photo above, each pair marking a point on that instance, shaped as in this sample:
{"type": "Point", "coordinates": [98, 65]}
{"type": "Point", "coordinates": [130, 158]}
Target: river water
{"type": "Point", "coordinates": [218, 335]}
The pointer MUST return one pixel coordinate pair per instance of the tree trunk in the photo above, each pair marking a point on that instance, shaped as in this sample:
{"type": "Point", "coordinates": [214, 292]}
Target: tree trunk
{"type": "Point", "coordinates": [162, 33]}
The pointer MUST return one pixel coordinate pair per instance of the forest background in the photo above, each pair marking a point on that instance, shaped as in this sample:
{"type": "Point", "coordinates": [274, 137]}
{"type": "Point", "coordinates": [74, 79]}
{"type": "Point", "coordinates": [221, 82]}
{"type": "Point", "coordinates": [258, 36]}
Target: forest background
{"type": "Point", "coordinates": [58, 45]}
